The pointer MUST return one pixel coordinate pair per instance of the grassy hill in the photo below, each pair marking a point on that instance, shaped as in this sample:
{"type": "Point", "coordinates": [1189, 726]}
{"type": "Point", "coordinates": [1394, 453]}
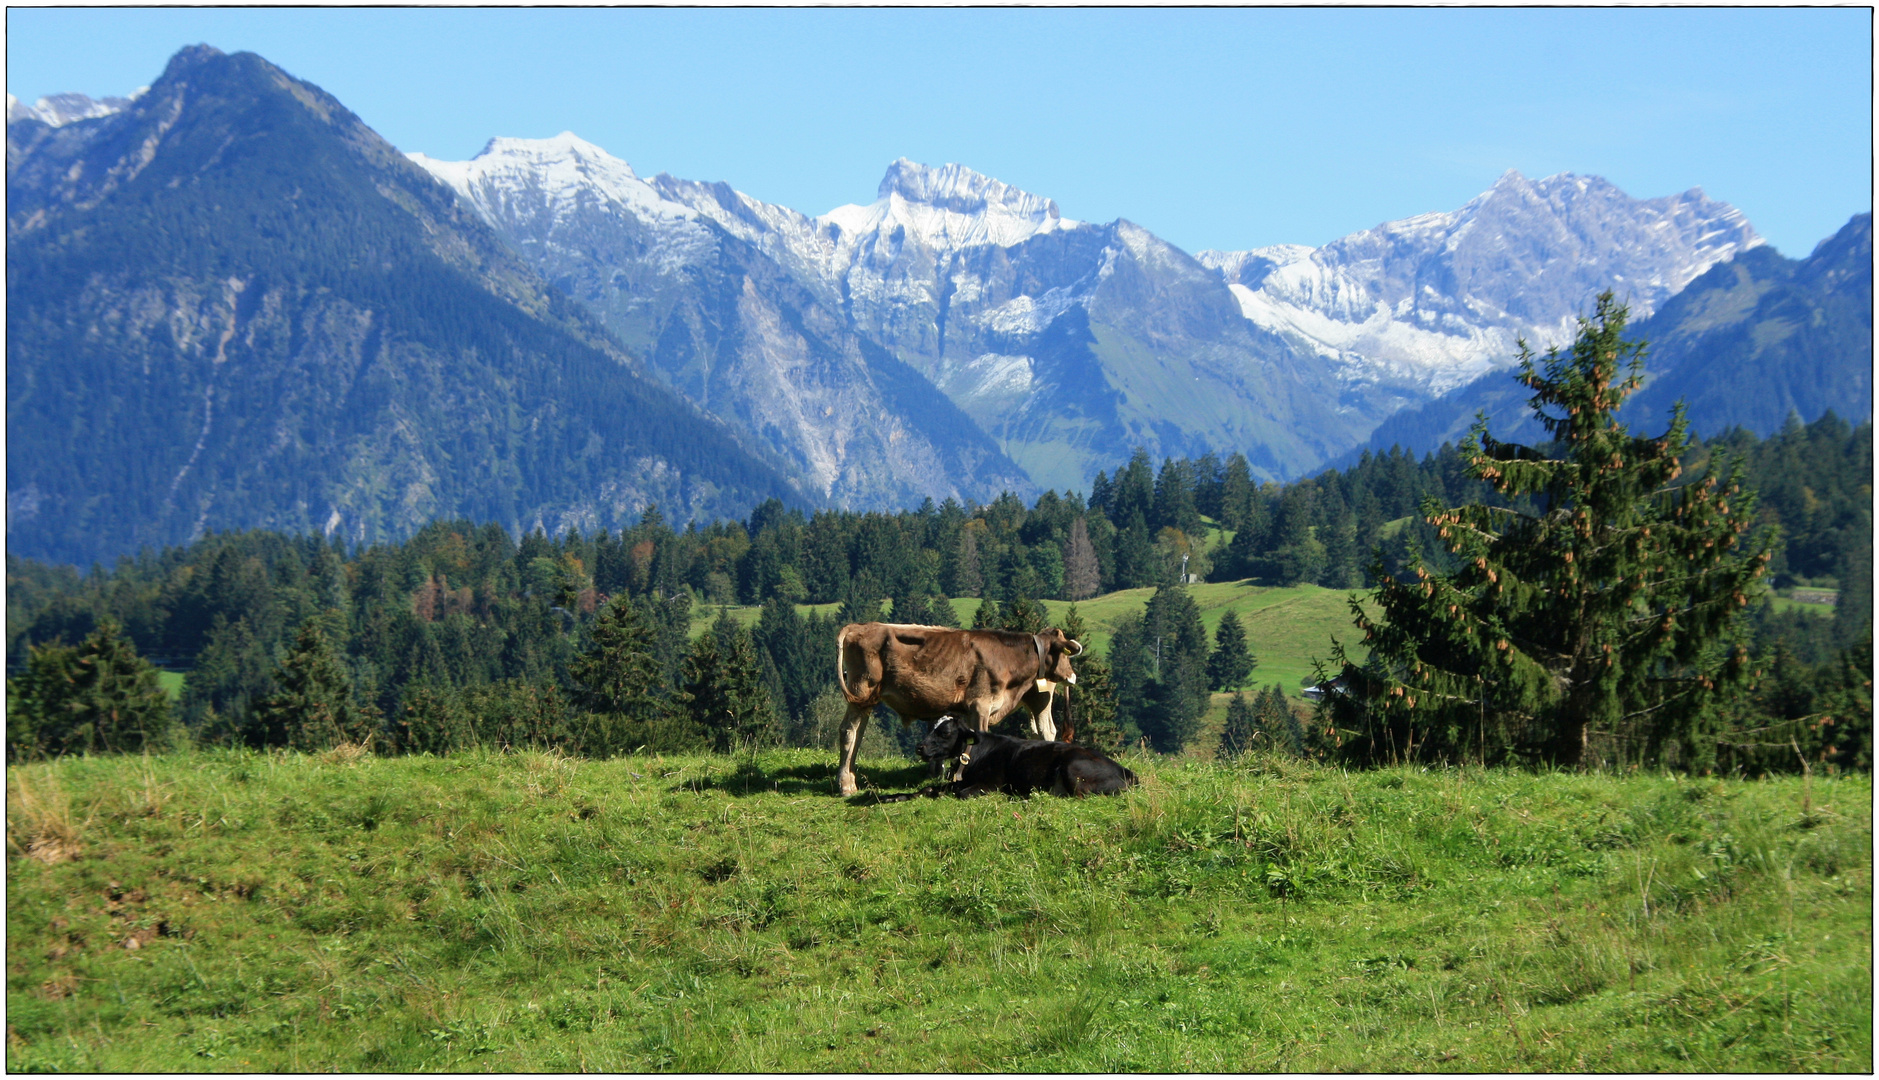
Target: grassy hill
{"type": "Point", "coordinates": [240, 911]}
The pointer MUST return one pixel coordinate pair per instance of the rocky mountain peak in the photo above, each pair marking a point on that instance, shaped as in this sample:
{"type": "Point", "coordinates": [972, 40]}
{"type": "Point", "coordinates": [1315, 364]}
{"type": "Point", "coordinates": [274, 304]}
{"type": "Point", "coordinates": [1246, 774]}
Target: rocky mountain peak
{"type": "Point", "coordinates": [560, 172]}
{"type": "Point", "coordinates": [1429, 301]}
{"type": "Point", "coordinates": [949, 208]}
{"type": "Point", "coordinates": [962, 191]}
{"type": "Point", "coordinates": [189, 56]}
{"type": "Point", "coordinates": [57, 110]}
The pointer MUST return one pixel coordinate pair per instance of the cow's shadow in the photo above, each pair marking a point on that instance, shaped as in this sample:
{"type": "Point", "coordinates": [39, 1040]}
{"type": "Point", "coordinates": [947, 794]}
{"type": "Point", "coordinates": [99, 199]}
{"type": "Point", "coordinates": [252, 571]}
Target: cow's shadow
{"type": "Point", "coordinates": [750, 778]}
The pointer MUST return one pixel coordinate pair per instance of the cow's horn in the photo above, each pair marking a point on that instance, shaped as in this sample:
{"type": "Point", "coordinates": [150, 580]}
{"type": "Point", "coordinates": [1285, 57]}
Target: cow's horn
{"type": "Point", "coordinates": [1078, 645]}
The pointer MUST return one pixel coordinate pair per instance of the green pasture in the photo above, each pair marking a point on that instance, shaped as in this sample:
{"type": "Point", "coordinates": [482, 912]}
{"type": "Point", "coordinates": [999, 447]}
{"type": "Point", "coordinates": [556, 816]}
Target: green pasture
{"type": "Point", "coordinates": [240, 911]}
{"type": "Point", "coordinates": [1286, 628]}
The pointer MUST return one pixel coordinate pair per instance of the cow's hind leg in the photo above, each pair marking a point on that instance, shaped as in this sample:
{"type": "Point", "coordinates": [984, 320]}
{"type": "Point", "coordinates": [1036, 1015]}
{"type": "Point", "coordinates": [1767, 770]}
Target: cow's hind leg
{"type": "Point", "coordinates": [850, 740]}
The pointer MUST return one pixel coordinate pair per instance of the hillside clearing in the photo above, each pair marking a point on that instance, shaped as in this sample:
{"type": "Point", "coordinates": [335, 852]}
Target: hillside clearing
{"type": "Point", "coordinates": [1286, 628]}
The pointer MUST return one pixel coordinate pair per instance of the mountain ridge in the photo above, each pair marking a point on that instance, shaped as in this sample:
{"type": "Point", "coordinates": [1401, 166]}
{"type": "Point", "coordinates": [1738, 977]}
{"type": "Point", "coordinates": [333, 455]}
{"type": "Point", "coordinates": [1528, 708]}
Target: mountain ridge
{"type": "Point", "coordinates": [1749, 342]}
{"type": "Point", "coordinates": [720, 321]}
{"type": "Point", "coordinates": [303, 330]}
{"type": "Point", "coordinates": [1426, 303]}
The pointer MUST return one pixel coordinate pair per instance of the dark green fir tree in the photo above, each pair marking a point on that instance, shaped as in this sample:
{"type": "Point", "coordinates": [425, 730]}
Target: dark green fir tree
{"type": "Point", "coordinates": [1274, 719]}
{"type": "Point", "coordinates": [96, 697]}
{"type": "Point", "coordinates": [1237, 739]}
{"type": "Point", "coordinates": [1230, 662]}
{"type": "Point", "coordinates": [721, 686]}
{"type": "Point", "coordinates": [622, 689]}
{"type": "Point", "coordinates": [311, 707]}
{"type": "Point", "coordinates": [1602, 622]}
{"type": "Point", "coordinates": [990, 616]}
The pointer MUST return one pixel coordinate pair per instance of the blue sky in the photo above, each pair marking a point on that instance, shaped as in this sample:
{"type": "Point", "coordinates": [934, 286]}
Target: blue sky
{"type": "Point", "coordinates": [1213, 128]}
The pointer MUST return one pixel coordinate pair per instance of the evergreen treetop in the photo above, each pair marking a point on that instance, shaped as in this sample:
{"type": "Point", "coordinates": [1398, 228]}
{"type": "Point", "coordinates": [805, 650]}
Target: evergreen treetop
{"type": "Point", "coordinates": [1230, 662]}
{"type": "Point", "coordinates": [1607, 611]}
{"type": "Point", "coordinates": [96, 697]}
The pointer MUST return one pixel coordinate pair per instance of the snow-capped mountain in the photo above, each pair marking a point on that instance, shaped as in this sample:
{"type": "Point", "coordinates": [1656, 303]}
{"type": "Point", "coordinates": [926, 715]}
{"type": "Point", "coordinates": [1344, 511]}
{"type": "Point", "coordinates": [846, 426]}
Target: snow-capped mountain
{"type": "Point", "coordinates": [536, 182]}
{"type": "Point", "coordinates": [1067, 341]}
{"type": "Point", "coordinates": [723, 322]}
{"type": "Point", "coordinates": [61, 109]}
{"type": "Point", "coordinates": [1421, 305]}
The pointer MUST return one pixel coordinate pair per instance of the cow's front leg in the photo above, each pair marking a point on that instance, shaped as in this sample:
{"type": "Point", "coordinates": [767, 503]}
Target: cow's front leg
{"type": "Point", "coordinates": [1043, 725]}
{"type": "Point", "coordinates": [849, 741]}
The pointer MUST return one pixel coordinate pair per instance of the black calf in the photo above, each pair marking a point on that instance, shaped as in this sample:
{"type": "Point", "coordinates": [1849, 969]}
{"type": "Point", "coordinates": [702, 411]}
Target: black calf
{"type": "Point", "coordinates": [1018, 766]}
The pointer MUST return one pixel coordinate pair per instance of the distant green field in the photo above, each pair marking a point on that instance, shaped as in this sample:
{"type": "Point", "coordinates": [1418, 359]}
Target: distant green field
{"type": "Point", "coordinates": [1286, 628]}
{"type": "Point", "coordinates": [1786, 604]}
{"type": "Point", "coordinates": [171, 681]}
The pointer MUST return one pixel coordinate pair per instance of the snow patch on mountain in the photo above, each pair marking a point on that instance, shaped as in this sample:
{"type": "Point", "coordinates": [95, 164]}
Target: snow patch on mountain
{"type": "Point", "coordinates": [989, 376]}
{"type": "Point", "coordinates": [523, 180]}
{"type": "Point", "coordinates": [1434, 300]}
{"type": "Point", "coordinates": [1030, 315]}
{"type": "Point", "coordinates": [566, 169]}
{"type": "Point", "coordinates": [58, 110]}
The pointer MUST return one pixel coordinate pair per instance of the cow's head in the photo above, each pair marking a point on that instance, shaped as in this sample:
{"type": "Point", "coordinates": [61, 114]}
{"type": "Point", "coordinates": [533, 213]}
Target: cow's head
{"type": "Point", "coordinates": [1059, 647]}
{"type": "Point", "coordinates": [949, 737]}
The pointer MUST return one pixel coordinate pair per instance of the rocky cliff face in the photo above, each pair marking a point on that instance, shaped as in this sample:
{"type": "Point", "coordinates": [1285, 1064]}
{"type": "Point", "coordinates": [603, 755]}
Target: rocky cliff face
{"type": "Point", "coordinates": [1066, 341]}
{"type": "Point", "coordinates": [1416, 307]}
{"type": "Point", "coordinates": [232, 305]}
{"type": "Point", "coordinates": [723, 322]}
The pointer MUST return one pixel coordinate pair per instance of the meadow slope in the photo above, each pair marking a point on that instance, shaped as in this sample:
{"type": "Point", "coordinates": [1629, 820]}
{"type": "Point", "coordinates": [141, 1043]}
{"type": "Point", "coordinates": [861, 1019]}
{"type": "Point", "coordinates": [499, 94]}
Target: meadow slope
{"type": "Point", "coordinates": [242, 911]}
{"type": "Point", "coordinates": [1286, 627]}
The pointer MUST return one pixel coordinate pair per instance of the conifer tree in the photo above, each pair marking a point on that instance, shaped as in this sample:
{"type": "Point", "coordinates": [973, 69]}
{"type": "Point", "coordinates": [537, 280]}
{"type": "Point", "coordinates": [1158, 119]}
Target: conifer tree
{"type": "Point", "coordinates": [1136, 563]}
{"type": "Point", "coordinates": [1274, 717]}
{"type": "Point", "coordinates": [1231, 662]}
{"type": "Point", "coordinates": [230, 676]}
{"type": "Point", "coordinates": [941, 611]}
{"type": "Point", "coordinates": [1177, 696]}
{"type": "Point", "coordinates": [914, 608]}
{"type": "Point", "coordinates": [1609, 611]}
{"type": "Point", "coordinates": [1174, 506]}
{"type": "Point", "coordinates": [622, 673]}
{"type": "Point", "coordinates": [862, 603]}
{"type": "Point", "coordinates": [1133, 492]}
{"type": "Point", "coordinates": [1237, 739]}
{"type": "Point", "coordinates": [311, 707]}
{"type": "Point", "coordinates": [722, 688]}
{"type": "Point", "coordinates": [963, 577]}
{"type": "Point", "coordinates": [1024, 615]}
{"type": "Point", "coordinates": [96, 697]}
{"type": "Point", "coordinates": [1236, 492]}
{"type": "Point", "coordinates": [1082, 576]}
{"type": "Point", "coordinates": [1298, 555]}
{"type": "Point", "coordinates": [988, 617]}
{"type": "Point", "coordinates": [1090, 705]}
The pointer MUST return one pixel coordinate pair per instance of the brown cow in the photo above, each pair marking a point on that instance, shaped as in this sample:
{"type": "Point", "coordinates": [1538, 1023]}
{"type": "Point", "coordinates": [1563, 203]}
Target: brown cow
{"type": "Point", "coordinates": [926, 672]}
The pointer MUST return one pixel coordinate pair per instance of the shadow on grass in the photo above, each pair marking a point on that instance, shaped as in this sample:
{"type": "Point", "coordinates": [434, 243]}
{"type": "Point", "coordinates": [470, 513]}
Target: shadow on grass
{"type": "Point", "coordinates": [750, 778]}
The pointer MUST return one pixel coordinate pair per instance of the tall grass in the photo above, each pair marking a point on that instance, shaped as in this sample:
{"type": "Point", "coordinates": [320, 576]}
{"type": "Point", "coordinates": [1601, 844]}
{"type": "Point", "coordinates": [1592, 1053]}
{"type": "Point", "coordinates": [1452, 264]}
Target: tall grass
{"type": "Point", "coordinates": [234, 910]}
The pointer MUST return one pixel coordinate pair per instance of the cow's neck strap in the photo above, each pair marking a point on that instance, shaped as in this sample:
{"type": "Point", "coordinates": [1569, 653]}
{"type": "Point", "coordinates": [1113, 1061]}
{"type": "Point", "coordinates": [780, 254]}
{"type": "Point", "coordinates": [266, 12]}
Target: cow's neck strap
{"type": "Point", "coordinates": [1038, 640]}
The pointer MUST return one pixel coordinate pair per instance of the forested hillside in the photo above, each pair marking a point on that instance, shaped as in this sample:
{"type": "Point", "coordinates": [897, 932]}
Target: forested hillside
{"type": "Point", "coordinates": [465, 620]}
{"type": "Point", "coordinates": [233, 304]}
